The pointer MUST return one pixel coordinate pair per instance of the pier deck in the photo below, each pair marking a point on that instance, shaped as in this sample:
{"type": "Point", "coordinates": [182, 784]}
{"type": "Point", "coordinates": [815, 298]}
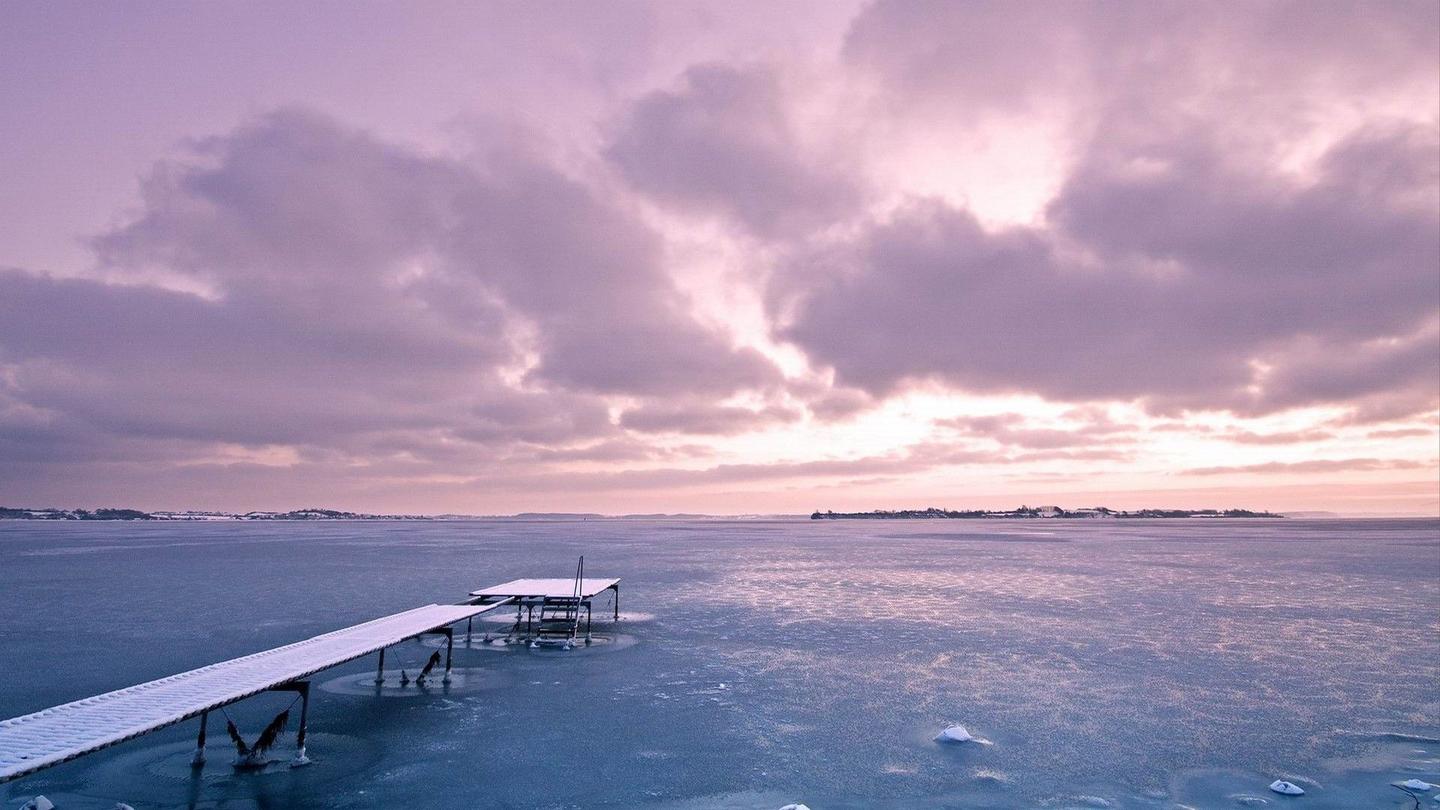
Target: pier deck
{"type": "Point", "coordinates": [559, 588]}
{"type": "Point", "coordinates": [61, 733]}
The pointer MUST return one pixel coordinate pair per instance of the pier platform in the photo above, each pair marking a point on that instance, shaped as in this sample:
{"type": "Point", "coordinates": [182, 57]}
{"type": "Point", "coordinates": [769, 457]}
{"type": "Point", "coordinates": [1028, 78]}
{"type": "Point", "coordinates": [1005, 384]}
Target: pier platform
{"type": "Point", "coordinates": [559, 588]}
{"type": "Point", "coordinates": [560, 604]}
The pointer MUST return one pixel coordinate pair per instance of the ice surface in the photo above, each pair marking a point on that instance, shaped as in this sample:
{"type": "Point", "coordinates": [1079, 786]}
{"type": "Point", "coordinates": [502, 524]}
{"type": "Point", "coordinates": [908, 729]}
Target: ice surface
{"type": "Point", "coordinates": [1149, 664]}
{"type": "Point", "coordinates": [1416, 784]}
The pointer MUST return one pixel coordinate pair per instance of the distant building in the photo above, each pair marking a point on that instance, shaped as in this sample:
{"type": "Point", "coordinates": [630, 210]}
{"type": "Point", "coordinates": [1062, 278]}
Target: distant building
{"type": "Point", "coordinates": [1049, 511]}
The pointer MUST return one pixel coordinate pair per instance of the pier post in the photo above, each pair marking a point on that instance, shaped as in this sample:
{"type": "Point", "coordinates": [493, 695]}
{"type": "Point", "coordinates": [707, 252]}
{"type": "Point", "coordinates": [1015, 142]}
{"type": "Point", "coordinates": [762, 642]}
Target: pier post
{"type": "Point", "coordinates": [198, 760]}
{"type": "Point", "coordinates": [617, 603]}
{"type": "Point", "coordinates": [589, 614]}
{"type": "Point", "coordinates": [300, 759]}
{"type": "Point", "coordinates": [449, 648]}
{"type": "Point", "coordinates": [380, 673]}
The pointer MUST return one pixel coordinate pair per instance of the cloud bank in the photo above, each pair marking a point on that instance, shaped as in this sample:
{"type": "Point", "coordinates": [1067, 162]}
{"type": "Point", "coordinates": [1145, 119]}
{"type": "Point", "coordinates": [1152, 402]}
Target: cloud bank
{"type": "Point", "coordinates": [1238, 224]}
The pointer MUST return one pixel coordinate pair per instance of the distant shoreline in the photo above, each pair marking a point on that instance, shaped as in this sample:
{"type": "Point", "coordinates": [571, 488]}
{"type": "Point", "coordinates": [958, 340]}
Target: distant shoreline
{"type": "Point", "coordinates": [315, 514]}
{"type": "Point", "coordinates": [1042, 513]}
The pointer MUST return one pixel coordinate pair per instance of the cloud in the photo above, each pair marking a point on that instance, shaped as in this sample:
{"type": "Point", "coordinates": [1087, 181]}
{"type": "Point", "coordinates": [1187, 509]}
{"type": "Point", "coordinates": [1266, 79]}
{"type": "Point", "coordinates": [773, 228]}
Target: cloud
{"type": "Point", "coordinates": [978, 54]}
{"type": "Point", "coordinates": [1314, 466]}
{"type": "Point", "coordinates": [726, 143]}
{"type": "Point", "coordinates": [1283, 437]}
{"type": "Point", "coordinates": [705, 418]}
{"type": "Point", "coordinates": [1267, 60]}
{"type": "Point", "coordinates": [1179, 207]}
{"type": "Point", "coordinates": [1244, 217]}
{"type": "Point", "coordinates": [1199, 283]}
{"type": "Point", "coordinates": [901, 462]}
{"type": "Point", "coordinates": [354, 296]}
{"type": "Point", "coordinates": [1401, 433]}
{"type": "Point", "coordinates": [1012, 429]}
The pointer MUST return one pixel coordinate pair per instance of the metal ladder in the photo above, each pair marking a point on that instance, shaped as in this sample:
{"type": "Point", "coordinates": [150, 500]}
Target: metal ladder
{"type": "Point", "coordinates": [560, 617]}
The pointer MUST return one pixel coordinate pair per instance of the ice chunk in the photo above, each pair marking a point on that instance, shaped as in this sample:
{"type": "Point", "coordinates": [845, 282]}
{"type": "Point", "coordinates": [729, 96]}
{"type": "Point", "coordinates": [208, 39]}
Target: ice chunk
{"type": "Point", "coordinates": [38, 803]}
{"type": "Point", "coordinates": [1287, 788]}
{"type": "Point", "coordinates": [1416, 784]}
{"type": "Point", "coordinates": [794, 807]}
{"type": "Point", "coordinates": [954, 734]}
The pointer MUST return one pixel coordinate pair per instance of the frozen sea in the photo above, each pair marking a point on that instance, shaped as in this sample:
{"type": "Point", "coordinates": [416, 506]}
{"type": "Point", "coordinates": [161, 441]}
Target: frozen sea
{"type": "Point", "coordinates": [1125, 664]}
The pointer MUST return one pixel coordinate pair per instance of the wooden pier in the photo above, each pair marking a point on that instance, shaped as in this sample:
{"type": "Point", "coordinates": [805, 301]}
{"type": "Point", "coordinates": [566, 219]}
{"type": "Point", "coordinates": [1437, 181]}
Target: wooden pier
{"type": "Point", "coordinates": [32, 742]}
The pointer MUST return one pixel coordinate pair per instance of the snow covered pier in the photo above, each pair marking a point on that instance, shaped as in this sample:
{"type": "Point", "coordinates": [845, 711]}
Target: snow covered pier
{"type": "Point", "coordinates": [61, 733]}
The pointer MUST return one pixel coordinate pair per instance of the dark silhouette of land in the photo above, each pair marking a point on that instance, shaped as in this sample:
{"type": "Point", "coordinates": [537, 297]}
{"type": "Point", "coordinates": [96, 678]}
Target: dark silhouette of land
{"type": "Point", "coordinates": [1042, 512]}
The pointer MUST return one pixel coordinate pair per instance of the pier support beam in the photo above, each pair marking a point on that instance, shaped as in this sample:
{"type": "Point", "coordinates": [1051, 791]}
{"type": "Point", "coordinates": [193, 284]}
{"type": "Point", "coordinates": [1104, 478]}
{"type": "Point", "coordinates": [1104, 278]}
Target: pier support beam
{"type": "Point", "coordinates": [198, 761]}
{"type": "Point", "coordinates": [300, 759]}
{"type": "Point", "coordinates": [449, 634]}
{"type": "Point", "coordinates": [301, 688]}
{"type": "Point", "coordinates": [380, 672]}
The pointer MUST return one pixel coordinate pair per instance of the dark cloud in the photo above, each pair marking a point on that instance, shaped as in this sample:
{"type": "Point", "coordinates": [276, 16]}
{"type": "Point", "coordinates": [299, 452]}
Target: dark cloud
{"type": "Point", "coordinates": [1198, 283]}
{"type": "Point", "coordinates": [726, 143]}
{"type": "Point", "coordinates": [627, 449]}
{"type": "Point", "coordinates": [357, 296]}
{"type": "Point", "coordinates": [705, 418]}
{"type": "Point", "coordinates": [1189, 259]}
{"type": "Point", "coordinates": [590, 280]}
{"type": "Point", "coordinates": [976, 53]}
{"type": "Point", "coordinates": [1012, 430]}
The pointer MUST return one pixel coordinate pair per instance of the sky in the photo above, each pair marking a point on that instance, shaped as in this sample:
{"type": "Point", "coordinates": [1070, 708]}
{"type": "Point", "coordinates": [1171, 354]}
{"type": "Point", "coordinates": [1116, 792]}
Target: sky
{"type": "Point", "coordinates": [731, 258]}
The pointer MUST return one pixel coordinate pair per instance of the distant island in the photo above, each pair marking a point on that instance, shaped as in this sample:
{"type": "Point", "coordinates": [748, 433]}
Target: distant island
{"type": "Point", "coordinates": [315, 513]}
{"type": "Point", "coordinates": [1046, 512]}
{"type": "Point", "coordinates": [10, 513]}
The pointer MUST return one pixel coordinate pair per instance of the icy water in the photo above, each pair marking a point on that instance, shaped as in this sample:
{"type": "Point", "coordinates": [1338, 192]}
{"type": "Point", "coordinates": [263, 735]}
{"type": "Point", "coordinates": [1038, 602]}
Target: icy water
{"type": "Point", "coordinates": [1161, 664]}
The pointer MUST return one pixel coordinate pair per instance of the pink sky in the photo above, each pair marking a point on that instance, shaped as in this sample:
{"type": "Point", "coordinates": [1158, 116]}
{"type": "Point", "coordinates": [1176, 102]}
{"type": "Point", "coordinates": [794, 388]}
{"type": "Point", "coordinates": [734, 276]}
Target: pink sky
{"type": "Point", "coordinates": [728, 257]}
